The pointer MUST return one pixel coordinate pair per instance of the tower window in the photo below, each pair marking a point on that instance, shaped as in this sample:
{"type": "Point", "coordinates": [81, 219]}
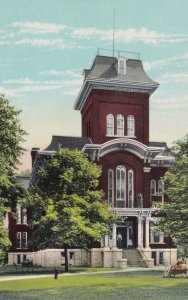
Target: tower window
{"type": "Point", "coordinates": [130, 126]}
{"type": "Point", "coordinates": [110, 124]}
{"type": "Point", "coordinates": [120, 125]}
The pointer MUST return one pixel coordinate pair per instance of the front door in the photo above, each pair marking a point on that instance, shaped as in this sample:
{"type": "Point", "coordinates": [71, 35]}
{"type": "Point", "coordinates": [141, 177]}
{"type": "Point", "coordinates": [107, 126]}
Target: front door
{"type": "Point", "coordinates": [121, 236]}
{"type": "Point", "coordinates": [124, 233]}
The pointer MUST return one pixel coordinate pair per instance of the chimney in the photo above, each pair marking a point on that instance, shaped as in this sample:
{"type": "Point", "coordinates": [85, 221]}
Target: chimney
{"type": "Point", "coordinates": [33, 154]}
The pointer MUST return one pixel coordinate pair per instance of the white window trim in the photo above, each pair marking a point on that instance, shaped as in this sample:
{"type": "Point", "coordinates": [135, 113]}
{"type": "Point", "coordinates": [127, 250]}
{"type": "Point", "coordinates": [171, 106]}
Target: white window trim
{"type": "Point", "coordinates": [110, 124]}
{"type": "Point", "coordinates": [153, 181]}
{"type": "Point", "coordinates": [18, 213]}
{"type": "Point", "coordinates": [130, 126]}
{"type": "Point", "coordinates": [160, 193]}
{"type": "Point", "coordinates": [112, 172]}
{"type": "Point", "coordinates": [122, 70]}
{"type": "Point", "coordinates": [25, 232]}
{"type": "Point", "coordinates": [120, 121]}
{"type": "Point", "coordinates": [132, 200]}
{"type": "Point", "coordinates": [119, 168]}
{"type": "Point", "coordinates": [19, 237]}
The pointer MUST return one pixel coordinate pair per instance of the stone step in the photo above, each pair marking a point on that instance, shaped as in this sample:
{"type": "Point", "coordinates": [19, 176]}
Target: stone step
{"type": "Point", "coordinates": [133, 257]}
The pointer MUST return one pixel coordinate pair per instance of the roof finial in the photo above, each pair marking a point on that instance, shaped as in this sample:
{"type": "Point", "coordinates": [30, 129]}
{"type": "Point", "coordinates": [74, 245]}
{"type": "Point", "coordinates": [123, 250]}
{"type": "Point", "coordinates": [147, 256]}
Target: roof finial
{"type": "Point", "coordinates": [113, 31]}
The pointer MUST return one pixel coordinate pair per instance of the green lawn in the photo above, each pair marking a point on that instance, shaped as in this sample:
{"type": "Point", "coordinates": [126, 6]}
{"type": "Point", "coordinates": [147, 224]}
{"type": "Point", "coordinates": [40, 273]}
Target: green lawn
{"type": "Point", "coordinates": [128, 285]}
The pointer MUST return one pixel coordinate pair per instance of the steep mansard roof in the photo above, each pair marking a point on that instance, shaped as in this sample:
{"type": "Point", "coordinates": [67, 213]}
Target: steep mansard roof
{"type": "Point", "coordinates": [104, 75]}
{"type": "Point", "coordinates": [107, 67]}
{"type": "Point", "coordinates": [70, 142]}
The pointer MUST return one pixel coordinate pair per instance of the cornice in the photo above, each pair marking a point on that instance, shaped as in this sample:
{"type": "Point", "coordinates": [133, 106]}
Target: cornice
{"type": "Point", "coordinates": [115, 85]}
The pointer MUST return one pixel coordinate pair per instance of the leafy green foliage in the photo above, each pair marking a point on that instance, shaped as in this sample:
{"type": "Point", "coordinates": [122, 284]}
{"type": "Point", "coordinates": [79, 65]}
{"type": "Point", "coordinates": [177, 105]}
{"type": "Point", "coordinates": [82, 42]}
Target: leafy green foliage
{"type": "Point", "coordinates": [67, 207]}
{"type": "Point", "coordinates": [11, 135]}
{"type": "Point", "coordinates": [175, 211]}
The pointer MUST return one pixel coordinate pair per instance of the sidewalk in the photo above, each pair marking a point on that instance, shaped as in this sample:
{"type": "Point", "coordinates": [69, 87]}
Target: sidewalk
{"type": "Point", "coordinates": [133, 269]}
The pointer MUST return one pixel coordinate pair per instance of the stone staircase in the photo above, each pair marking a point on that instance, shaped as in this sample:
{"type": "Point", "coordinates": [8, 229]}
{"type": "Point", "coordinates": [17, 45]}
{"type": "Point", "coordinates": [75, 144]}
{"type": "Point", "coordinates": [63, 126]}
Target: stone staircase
{"type": "Point", "coordinates": [133, 257]}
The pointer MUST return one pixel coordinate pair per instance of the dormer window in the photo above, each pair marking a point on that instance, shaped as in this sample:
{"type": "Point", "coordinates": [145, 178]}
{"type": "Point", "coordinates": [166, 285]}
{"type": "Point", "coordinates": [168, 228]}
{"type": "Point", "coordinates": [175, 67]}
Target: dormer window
{"type": "Point", "coordinates": [121, 66]}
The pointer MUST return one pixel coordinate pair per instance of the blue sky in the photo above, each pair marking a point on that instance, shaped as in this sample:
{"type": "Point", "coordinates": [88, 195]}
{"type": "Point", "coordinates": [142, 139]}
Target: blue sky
{"type": "Point", "coordinates": [45, 45]}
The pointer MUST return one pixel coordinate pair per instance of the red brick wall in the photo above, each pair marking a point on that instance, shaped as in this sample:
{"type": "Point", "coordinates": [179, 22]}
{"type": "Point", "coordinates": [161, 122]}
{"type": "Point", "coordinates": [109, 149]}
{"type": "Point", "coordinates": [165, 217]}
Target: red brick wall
{"type": "Point", "coordinates": [130, 161]}
{"type": "Point", "coordinates": [101, 102]}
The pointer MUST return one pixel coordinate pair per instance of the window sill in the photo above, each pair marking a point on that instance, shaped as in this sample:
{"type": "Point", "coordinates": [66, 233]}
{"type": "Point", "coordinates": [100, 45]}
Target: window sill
{"type": "Point", "coordinates": [121, 136]}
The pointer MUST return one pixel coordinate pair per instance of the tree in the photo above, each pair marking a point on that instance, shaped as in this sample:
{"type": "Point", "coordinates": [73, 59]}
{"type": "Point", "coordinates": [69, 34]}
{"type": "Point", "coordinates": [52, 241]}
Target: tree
{"type": "Point", "coordinates": [11, 135]}
{"type": "Point", "coordinates": [175, 211]}
{"type": "Point", "coordinates": [68, 210]}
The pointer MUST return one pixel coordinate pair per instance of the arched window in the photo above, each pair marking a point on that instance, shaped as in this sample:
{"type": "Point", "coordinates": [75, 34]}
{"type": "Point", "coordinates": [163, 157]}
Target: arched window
{"type": "Point", "coordinates": [110, 124]}
{"type": "Point", "coordinates": [153, 187]}
{"type": "Point", "coordinates": [130, 126]}
{"type": "Point", "coordinates": [160, 187]}
{"type": "Point", "coordinates": [130, 188]}
{"type": "Point", "coordinates": [111, 187]}
{"type": "Point", "coordinates": [120, 125]}
{"type": "Point", "coordinates": [121, 186]}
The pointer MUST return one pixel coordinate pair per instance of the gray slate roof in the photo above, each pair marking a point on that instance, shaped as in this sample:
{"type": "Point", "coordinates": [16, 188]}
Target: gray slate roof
{"type": "Point", "coordinates": [104, 75]}
{"type": "Point", "coordinates": [70, 142]}
{"type": "Point", "coordinates": [107, 67]}
{"type": "Point", "coordinates": [158, 144]}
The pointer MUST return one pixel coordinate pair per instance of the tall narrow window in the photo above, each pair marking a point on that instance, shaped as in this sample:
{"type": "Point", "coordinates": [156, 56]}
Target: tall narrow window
{"type": "Point", "coordinates": [110, 124]}
{"type": "Point", "coordinates": [153, 187]}
{"type": "Point", "coordinates": [130, 188]}
{"type": "Point", "coordinates": [120, 125]}
{"type": "Point", "coordinates": [130, 126]}
{"type": "Point", "coordinates": [121, 186]}
{"type": "Point", "coordinates": [121, 66]}
{"type": "Point", "coordinates": [18, 240]}
{"type": "Point", "coordinates": [18, 214]}
{"type": "Point", "coordinates": [21, 215]}
{"type": "Point", "coordinates": [111, 187]}
{"type": "Point", "coordinates": [160, 187]}
{"type": "Point", "coordinates": [24, 240]}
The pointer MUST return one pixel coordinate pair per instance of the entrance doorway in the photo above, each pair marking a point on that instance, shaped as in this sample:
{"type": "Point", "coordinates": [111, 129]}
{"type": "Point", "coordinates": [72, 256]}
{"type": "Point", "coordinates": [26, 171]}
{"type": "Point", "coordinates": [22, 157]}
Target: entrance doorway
{"type": "Point", "coordinates": [124, 235]}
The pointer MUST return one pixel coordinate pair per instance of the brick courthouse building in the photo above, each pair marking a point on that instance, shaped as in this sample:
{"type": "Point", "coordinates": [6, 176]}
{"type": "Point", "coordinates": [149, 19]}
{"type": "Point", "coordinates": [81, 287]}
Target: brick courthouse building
{"type": "Point", "coordinates": [114, 106]}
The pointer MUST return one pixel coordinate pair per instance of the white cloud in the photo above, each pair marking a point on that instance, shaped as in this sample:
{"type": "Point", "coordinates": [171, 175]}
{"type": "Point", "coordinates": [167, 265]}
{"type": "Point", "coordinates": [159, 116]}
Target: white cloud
{"type": "Point", "coordinates": [33, 42]}
{"type": "Point", "coordinates": [186, 55]}
{"type": "Point", "coordinates": [5, 43]}
{"type": "Point", "coordinates": [71, 73]}
{"type": "Point", "coordinates": [38, 27]}
{"type": "Point", "coordinates": [161, 62]}
{"type": "Point", "coordinates": [21, 86]}
{"type": "Point", "coordinates": [57, 43]}
{"type": "Point", "coordinates": [143, 34]}
{"type": "Point", "coordinates": [10, 92]}
{"type": "Point", "coordinates": [169, 103]}
{"type": "Point", "coordinates": [87, 32]}
{"type": "Point", "coordinates": [175, 77]}
{"type": "Point", "coordinates": [72, 92]}
{"type": "Point", "coordinates": [19, 81]}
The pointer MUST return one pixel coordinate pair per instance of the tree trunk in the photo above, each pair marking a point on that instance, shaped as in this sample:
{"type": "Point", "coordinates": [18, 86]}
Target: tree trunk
{"type": "Point", "coordinates": [66, 260]}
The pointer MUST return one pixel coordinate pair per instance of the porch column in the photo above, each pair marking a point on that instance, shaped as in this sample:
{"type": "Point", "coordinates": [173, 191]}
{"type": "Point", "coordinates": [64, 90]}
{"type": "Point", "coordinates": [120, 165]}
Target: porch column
{"type": "Point", "coordinates": [147, 232]}
{"type": "Point", "coordinates": [114, 242]}
{"type": "Point", "coordinates": [106, 241]}
{"type": "Point", "coordinates": [140, 239]}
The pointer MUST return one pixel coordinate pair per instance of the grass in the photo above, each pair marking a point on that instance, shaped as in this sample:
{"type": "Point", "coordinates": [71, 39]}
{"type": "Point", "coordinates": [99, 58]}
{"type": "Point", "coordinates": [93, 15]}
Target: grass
{"type": "Point", "coordinates": [113, 286]}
